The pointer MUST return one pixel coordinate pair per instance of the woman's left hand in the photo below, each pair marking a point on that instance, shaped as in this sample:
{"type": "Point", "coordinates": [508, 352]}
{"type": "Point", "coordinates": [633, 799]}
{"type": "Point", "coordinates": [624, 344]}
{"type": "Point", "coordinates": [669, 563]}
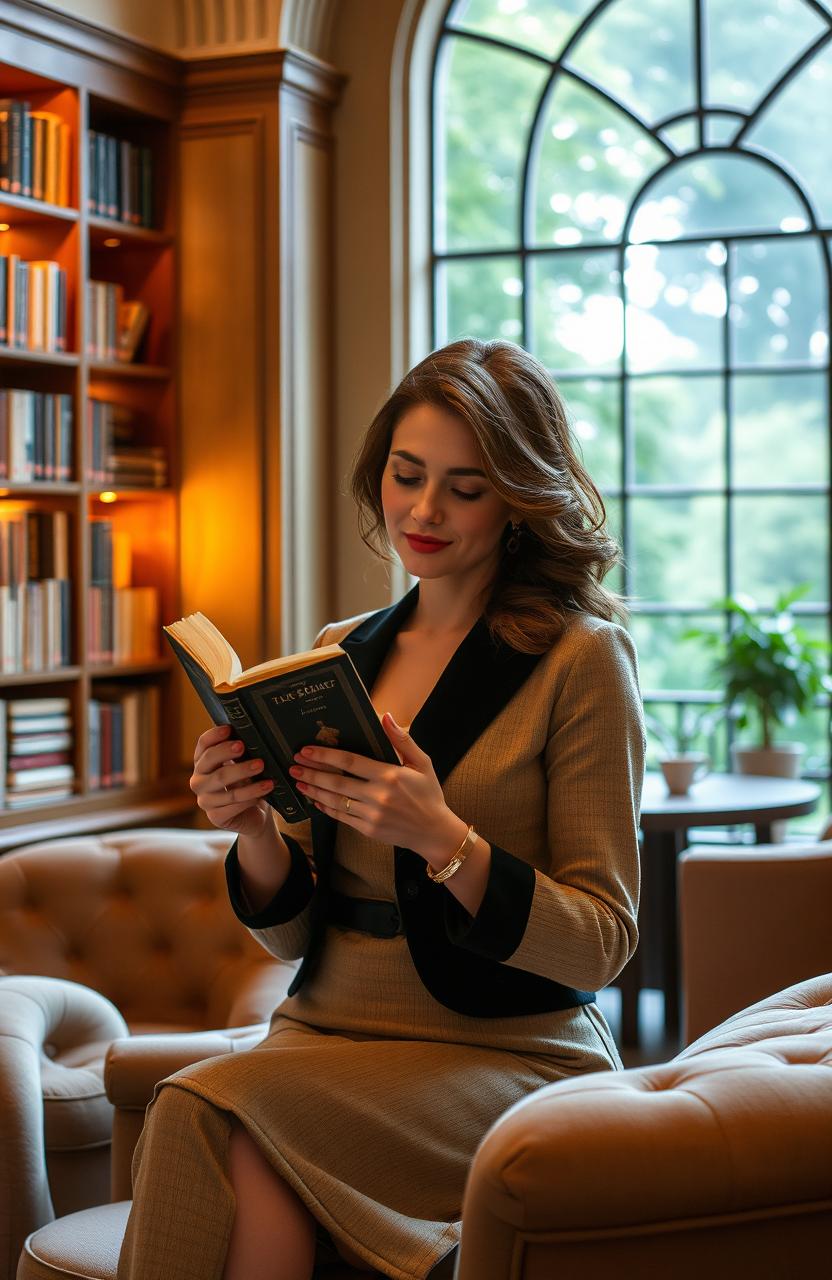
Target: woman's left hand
{"type": "Point", "coordinates": [395, 804]}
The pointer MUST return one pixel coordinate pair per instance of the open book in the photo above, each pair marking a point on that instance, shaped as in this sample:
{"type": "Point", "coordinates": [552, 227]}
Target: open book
{"type": "Point", "coordinates": [282, 705]}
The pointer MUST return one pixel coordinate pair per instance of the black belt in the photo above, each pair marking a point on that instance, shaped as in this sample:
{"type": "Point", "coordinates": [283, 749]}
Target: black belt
{"type": "Point", "coordinates": [367, 915]}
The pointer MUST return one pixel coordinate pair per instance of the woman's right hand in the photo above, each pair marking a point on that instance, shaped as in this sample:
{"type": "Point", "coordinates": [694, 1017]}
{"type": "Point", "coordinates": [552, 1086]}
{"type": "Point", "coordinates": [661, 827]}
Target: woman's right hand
{"type": "Point", "coordinates": [229, 791]}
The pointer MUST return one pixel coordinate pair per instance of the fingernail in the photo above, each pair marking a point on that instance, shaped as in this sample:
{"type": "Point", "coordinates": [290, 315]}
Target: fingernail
{"type": "Point", "coordinates": [237, 748]}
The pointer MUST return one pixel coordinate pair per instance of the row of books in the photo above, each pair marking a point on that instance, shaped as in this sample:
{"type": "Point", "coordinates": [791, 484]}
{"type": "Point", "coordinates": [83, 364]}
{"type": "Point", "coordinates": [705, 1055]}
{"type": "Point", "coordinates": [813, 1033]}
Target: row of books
{"type": "Point", "coordinates": [121, 180]}
{"type": "Point", "coordinates": [35, 630]}
{"type": "Point", "coordinates": [32, 304]}
{"type": "Point", "coordinates": [33, 545]}
{"type": "Point", "coordinates": [116, 326]}
{"type": "Point", "coordinates": [114, 454]}
{"type": "Point", "coordinates": [36, 436]}
{"type": "Point", "coordinates": [123, 624]}
{"type": "Point", "coordinates": [36, 763]}
{"type": "Point", "coordinates": [124, 737]}
{"type": "Point", "coordinates": [36, 744]}
{"type": "Point", "coordinates": [122, 619]}
{"type": "Point", "coordinates": [35, 152]}
{"type": "Point", "coordinates": [35, 591]}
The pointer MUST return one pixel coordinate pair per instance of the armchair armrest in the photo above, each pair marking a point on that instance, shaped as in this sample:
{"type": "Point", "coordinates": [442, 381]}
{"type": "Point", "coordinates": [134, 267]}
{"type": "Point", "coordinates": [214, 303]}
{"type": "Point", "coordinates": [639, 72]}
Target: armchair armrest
{"type": "Point", "coordinates": [716, 1163]}
{"type": "Point", "coordinates": [52, 1039]}
{"type": "Point", "coordinates": [134, 1066]}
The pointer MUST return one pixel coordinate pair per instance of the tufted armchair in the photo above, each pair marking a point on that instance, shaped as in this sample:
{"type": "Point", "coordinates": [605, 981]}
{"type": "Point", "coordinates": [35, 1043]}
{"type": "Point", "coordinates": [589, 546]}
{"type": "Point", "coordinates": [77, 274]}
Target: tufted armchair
{"type": "Point", "coordinates": [100, 938]}
{"type": "Point", "coordinates": [716, 1164]}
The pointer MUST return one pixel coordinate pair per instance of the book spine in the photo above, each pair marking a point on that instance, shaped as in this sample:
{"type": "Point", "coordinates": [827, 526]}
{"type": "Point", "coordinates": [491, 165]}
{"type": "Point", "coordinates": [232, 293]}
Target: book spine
{"type": "Point", "coordinates": [92, 172]}
{"type": "Point", "coordinates": [283, 797]}
{"type": "Point", "coordinates": [15, 148]}
{"type": "Point", "coordinates": [5, 131]}
{"type": "Point", "coordinates": [25, 151]}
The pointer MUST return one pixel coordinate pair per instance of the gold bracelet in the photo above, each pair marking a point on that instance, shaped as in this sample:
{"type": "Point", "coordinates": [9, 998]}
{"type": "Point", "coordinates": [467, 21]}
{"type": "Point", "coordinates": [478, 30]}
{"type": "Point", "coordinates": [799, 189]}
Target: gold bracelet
{"type": "Point", "coordinates": [456, 861]}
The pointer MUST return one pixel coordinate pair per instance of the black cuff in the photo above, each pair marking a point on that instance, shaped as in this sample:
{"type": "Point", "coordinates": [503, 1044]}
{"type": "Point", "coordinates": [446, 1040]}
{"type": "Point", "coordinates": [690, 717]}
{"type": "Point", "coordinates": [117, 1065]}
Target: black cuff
{"type": "Point", "coordinates": [497, 929]}
{"type": "Point", "coordinates": [291, 898]}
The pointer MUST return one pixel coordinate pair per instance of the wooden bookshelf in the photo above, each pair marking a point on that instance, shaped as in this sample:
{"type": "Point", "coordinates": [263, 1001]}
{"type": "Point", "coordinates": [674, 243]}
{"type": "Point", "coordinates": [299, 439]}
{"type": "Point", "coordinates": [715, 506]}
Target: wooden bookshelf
{"type": "Point", "coordinates": [93, 83]}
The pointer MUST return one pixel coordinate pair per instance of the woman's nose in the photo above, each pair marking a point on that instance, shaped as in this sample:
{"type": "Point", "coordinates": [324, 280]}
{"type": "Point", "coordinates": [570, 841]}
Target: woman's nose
{"type": "Point", "coordinates": [426, 506]}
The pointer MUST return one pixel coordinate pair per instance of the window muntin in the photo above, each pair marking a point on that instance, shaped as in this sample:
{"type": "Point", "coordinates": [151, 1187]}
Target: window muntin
{"type": "Point", "coordinates": [667, 266]}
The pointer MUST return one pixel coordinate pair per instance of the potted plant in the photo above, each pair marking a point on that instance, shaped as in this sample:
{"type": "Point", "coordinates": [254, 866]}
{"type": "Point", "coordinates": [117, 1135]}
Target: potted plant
{"type": "Point", "coordinates": [680, 764]}
{"type": "Point", "coordinates": [771, 671]}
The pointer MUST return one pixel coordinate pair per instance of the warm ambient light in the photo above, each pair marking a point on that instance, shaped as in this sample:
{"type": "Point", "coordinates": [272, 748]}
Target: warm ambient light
{"type": "Point", "coordinates": [107, 496]}
{"type": "Point", "coordinates": [4, 493]}
{"type": "Point", "coordinates": [4, 226]}
{"type": "Point", "coordinates": [112, 243]}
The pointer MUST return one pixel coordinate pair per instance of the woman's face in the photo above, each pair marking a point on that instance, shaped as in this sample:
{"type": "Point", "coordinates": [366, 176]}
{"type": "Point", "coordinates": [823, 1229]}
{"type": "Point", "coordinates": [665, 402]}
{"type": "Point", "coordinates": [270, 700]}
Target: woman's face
{"type": "Point", "coordinates": [434, 485]}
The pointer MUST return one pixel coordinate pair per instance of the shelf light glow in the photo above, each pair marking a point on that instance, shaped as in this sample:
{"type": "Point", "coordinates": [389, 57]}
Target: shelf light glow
{"type": "Point", "coordinates": [4, 226]}
{"type": "Point", "coordinates": [107, 496]}
{"type": "Point", "coordinates": [112, 242]}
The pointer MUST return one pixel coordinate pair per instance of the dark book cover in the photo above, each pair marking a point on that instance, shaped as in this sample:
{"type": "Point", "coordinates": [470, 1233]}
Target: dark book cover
{"type": "Point", "coordinates": [325, 703]}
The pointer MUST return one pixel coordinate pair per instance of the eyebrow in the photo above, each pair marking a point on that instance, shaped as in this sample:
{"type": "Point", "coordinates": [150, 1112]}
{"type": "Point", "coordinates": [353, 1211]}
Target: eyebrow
{"type": "Point", "coordinates": [452, 471]}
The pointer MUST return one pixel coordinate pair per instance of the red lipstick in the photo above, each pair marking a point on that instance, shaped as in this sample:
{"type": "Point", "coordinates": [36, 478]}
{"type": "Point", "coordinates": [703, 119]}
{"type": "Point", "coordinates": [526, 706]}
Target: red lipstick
{"type": "Point", "coordinates": [426, 545]}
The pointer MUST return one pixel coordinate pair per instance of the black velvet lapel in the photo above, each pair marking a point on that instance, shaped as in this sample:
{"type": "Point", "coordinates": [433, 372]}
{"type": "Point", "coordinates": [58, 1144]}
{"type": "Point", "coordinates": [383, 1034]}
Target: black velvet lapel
{"type": "Point", "coordinates": [479, 680]}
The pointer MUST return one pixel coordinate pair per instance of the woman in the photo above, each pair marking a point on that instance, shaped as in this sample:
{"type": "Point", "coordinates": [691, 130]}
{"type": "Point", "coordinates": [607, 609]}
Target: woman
{"type": "Point", "coordinates": [454, 915]}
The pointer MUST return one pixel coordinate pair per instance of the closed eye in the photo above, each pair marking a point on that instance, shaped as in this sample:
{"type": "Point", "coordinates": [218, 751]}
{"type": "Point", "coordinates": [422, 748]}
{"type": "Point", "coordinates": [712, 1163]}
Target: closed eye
{"type": "Point", "coordinates": [409, 481]}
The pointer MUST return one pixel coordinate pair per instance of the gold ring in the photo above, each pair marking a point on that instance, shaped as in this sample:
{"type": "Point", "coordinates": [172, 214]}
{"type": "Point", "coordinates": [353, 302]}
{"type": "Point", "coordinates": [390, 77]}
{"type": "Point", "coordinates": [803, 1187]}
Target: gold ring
{"type": "Point", "coordinates": [347, 803]}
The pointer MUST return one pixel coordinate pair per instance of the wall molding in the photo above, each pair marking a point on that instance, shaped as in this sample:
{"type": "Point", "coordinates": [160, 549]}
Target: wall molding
{"type": "Point", "coordinates": [208, 27]}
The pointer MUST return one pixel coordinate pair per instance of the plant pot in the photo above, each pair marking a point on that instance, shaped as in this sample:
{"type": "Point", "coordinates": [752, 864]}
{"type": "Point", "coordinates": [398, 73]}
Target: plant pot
{"type": "Point", "coordinates": [782, 761]}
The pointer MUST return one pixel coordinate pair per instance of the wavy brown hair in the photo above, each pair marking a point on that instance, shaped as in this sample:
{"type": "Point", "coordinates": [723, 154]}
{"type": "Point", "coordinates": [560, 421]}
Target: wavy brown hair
{"type": "Point", "coordinates": [522, 432]}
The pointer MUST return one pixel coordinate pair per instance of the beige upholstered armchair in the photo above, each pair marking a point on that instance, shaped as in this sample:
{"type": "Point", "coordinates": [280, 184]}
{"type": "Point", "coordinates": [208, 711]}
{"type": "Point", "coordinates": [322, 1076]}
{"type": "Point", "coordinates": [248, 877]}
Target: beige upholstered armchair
{"type": "Point", "coordinates": [752, 920]}
{"type": "Point", "coordinates": [100, 938]}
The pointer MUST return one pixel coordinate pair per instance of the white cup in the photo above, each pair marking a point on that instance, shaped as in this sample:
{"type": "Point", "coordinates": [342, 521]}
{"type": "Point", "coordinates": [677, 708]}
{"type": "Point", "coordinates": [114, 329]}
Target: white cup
{"type": "Point", "coordinates": [681, 772]}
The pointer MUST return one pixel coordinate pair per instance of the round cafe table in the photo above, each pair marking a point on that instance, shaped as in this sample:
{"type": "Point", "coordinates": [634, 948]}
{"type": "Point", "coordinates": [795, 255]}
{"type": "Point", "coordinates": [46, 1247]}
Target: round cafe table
{"type": "Point", "coordinates": [720, 799]}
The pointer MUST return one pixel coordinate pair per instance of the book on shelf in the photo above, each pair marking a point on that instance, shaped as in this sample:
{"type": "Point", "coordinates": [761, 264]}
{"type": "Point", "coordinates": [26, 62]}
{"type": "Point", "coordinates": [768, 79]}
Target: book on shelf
{"type": "Point", "coordinates": [117, 326]}
{"type": "Point", "coordinates": [132, 325]}
{"type": "Point", "coordinates": [123, 737]}
{"type": "Point", "coordinates": [121, 179]}
{"type": "Point", "coordinates": [36, 435]}
{"type": "Point", "coordinates": [35, 591]}
{"type": "Point", "coordinates": [115, 451]}
{"type": "Point", "coordinates": [278, 707]}
{"type": "Point", "coordinates": [33, 308]}
{"type": "Point", "coordinates": [35, 152]}
{"type": "Point", "coordinates": [31, 773]}
{"type": "Point", "coordinates": [123, 620]}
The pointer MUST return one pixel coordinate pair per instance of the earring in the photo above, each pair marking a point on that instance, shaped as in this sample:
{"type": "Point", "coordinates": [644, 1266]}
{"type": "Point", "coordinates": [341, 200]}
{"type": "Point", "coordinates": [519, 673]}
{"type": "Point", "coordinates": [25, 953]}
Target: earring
{"type": "Point", "coordinates": [513, 544]}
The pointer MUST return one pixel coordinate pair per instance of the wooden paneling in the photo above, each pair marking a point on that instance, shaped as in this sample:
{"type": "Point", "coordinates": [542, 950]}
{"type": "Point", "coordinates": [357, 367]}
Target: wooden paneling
{"type": "Point", "coordinates": [220, 385]}
{"type": "Point", "coordinates": [283, 302]}
{"type": "Point", "coordinates": [307, 360]}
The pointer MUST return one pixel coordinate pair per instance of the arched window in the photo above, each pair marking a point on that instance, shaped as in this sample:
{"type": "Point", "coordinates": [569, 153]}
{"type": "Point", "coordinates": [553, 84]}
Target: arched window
{"type": "Point", "coordinates": [640, 192]}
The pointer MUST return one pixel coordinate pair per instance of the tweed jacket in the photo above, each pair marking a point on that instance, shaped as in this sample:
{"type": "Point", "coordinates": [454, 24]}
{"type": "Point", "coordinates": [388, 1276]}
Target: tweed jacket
{"type": "Point", "coordinates": [544, 754]}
